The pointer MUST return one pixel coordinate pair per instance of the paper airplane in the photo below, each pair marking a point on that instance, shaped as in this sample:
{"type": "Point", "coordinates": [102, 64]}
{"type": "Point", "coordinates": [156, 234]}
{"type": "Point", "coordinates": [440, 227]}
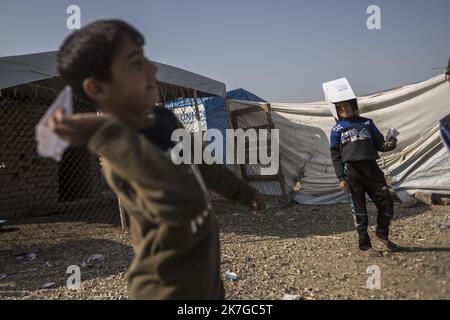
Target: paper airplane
{"type": "Point", "coordinates": [49, 144]}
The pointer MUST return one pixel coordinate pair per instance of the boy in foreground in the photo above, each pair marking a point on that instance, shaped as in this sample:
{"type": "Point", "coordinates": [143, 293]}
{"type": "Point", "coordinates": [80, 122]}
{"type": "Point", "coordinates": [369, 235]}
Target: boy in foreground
{"type": "Point", "coordinates": [172, 224]}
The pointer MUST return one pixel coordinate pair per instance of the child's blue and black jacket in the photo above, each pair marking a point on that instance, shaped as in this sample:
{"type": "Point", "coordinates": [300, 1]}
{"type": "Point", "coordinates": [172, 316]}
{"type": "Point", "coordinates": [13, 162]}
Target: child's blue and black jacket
{"type": "Point", "coordinates": [355, 139]}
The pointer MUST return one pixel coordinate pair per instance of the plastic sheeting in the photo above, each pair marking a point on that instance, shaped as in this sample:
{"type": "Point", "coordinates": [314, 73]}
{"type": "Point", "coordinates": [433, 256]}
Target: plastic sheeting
{"type": "Point", "coordinates": [16, 70]}
{"type": "Point", "coordinates": [420, 161]}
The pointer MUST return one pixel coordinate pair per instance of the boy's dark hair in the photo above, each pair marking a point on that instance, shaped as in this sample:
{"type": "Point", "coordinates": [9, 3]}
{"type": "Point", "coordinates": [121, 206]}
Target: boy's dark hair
{"type": "Point", "coordinates": [89, 52]}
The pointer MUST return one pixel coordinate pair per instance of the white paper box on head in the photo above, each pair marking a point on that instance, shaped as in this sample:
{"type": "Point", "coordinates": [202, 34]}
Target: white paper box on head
{"type": "Point", "coordinates": [50, 145]}
{"type": "Point", "coordinates": [337, 91]}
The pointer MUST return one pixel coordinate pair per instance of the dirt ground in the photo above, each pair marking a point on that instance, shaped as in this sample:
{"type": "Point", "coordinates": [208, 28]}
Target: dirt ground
{"type": "Point", "coordinates": [309, 251]}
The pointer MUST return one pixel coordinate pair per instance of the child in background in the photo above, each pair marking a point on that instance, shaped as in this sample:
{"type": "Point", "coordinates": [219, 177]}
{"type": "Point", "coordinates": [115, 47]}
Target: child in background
{"type": "Point", "coordinates": [354, 145]}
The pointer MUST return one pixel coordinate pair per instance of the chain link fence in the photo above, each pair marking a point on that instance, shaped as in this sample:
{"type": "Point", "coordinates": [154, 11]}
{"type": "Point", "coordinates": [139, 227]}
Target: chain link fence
{"type": "Point", "coordinates": [30, 186]}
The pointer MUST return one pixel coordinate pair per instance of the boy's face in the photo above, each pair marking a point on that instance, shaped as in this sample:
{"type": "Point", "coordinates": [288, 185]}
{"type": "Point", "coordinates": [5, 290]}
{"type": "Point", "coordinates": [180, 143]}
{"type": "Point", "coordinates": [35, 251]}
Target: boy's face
{"type": "Point", "coordinates": [345, 109]}
{"type": "Point", "coordinates": [133, 87]}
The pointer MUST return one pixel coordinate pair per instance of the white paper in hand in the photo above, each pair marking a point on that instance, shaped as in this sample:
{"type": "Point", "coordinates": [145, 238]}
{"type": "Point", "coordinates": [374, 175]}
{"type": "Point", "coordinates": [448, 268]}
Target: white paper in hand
{"type": "Point", "coordinates": [392, 133]}
{"type": "Point", "coordinates": [49, 145]}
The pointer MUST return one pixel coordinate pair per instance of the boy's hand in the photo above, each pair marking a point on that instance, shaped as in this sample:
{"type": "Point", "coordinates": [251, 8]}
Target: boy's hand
{"type": "Point", "coordinates": [344, 186]}
{"type": "Point", "coordinates": [76, 129]}
{"type": "Point", "coordinates": [257, 204]}
{"type": "Point", "coordinates": [391, 143]}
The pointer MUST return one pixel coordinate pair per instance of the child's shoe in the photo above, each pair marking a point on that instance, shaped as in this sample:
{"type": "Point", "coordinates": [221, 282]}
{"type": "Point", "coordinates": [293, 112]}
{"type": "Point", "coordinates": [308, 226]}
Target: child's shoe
{"type": "Point", "coordinates": [370, 252]}
{"type": "Point", "coordinates": [391, 246]}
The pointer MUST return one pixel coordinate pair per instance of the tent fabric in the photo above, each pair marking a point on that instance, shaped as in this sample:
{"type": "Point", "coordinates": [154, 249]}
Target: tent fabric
{"type": "Point", "coordinates": [212, 110]}
{"type": "Point", "coordinates": [419, 163]}
{"type": "Point", "coordinates": [186, 79]}
{"type": "Point", "coordinates": [216, 111]}
{"type": "Point", "coordinates": [21, 69]}
{"type": "Point", "coordinates": [17, 70]}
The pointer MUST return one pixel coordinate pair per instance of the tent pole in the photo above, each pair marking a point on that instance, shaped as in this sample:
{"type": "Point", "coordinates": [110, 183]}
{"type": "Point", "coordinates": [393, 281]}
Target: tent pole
{"type": "Point", "coordinates": [197, 112]}
{"type": "Point", "coordinates": [123, 218]}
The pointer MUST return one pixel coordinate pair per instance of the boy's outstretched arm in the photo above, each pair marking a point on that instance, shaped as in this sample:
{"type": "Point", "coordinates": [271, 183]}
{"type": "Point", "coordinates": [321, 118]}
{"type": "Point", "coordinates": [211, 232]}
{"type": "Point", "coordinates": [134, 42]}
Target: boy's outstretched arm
{"type": "Point", "coordinates": [223, 181]}
{"type": "Point", "coordinates": [378, 139]}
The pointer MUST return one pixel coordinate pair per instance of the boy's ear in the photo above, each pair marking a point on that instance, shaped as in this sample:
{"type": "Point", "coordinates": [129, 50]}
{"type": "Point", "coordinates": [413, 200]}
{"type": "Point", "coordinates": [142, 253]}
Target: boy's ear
{"type": "Point", "coordinates": [95, 90]}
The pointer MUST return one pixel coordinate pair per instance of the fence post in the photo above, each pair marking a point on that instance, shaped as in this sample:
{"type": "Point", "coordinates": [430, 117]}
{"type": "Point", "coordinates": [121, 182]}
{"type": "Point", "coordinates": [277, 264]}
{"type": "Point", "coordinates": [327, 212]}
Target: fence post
{"type": "Point", "coordinates": [123, 218]}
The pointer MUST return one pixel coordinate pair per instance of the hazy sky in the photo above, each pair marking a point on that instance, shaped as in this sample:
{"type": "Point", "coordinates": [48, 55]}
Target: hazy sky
{"type": "Point", "coordinates": [280, 50]}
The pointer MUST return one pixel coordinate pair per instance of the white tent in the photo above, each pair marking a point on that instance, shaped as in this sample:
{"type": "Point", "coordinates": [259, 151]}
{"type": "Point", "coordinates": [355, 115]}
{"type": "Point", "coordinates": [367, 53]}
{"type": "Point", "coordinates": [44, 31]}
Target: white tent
{"type": "Point", "coordinates": [17, 70]}
{"type": "Point", "coordinates": [420, 162]}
